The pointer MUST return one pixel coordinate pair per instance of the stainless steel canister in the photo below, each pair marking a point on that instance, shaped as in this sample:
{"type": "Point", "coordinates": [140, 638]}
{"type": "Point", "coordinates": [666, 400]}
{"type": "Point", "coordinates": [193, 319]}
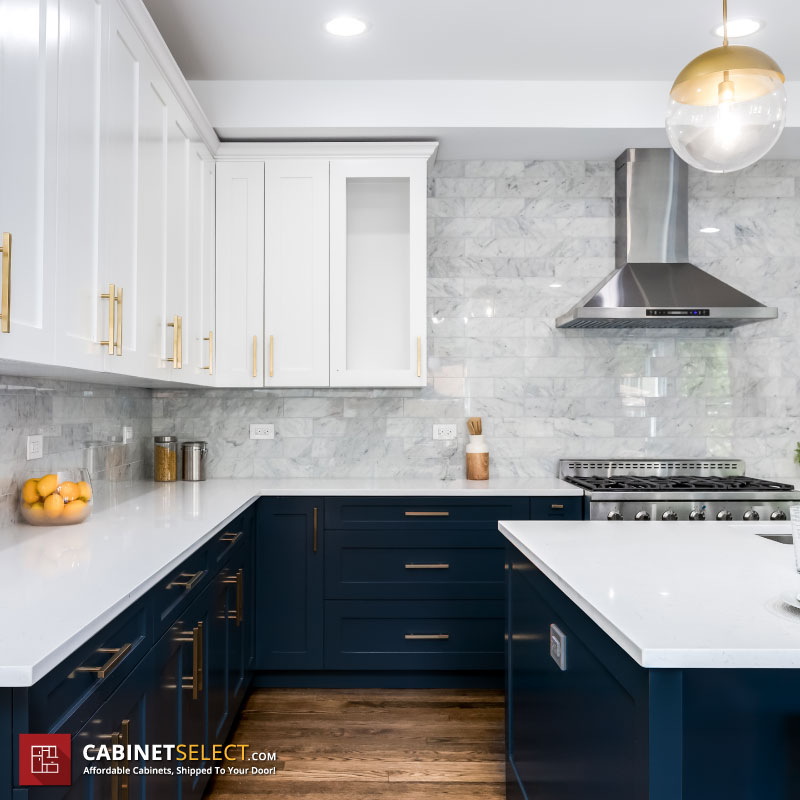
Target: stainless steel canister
{"type": "Point", "coordinates": [194, 461]}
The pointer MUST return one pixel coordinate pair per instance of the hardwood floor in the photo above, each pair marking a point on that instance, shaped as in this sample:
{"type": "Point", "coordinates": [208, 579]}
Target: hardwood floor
{"type": "Point", "coordinates": [371, 744]}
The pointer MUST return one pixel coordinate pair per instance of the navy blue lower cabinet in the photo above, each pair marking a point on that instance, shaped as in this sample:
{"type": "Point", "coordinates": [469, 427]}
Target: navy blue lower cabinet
{"type": "Point", "coordinates": [414, 635]}
{"type": "Point", "coordinates": [289, 584]}
{"type": "Point", "coordinates": [556, 508]}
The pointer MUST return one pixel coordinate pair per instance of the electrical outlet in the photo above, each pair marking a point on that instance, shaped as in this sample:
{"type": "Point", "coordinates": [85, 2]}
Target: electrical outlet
{"type": "Point", "coordinates": [558, 647]}
{"type": "Point", "coordinates": [262, 430]}
{"type": "Point", "coordinates": [51, 430]}
{"type": "Point", "coordinates": [35, 447]}
{"type": "Point", "coordinates": [127, 434]}
{"type": "Point", "coordinates": [444, 431]}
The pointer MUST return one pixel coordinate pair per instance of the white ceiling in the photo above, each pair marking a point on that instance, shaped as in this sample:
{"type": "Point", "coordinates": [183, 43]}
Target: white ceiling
{"type": "Point", "coordinates": [460, 39]}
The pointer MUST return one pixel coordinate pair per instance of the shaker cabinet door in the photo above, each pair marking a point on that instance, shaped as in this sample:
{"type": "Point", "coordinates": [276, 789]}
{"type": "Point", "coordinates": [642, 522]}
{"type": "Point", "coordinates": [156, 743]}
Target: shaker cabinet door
{"type": "Point", "coordinates": [378, 270]}
{"type": "Point", "coordinates": [296, 273]}
{"type": "Point", "coordinates": [240, 274]}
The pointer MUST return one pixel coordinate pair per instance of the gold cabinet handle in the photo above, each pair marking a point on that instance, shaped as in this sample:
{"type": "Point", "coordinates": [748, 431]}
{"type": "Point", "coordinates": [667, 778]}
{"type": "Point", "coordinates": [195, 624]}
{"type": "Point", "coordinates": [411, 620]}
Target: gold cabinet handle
{"type": "Point", "coordinates": [201, 657]}
{"type": "Point", "coordinates": [255, 356]}
{"type": "Point", "coordinates": [427, 566]}
{"type": "Point", "coordinates": [427, 513]}
{"type": "Point", "coordinates": [116, 778]}
{"type": "Point", "coordinates": [557, 506]}
{"type": "Point", "coordinates": [271, 356]}
{"type": "Point", "coordinates": [5, 288]}
{"type": "Point", "coordinates": [230, 537]}
{"type": "Point", "coordinates": [190, 580]}
{"type": "Point", "coordinates": [177, 342]}
{"type": "Point", "coordinates": [125, 778]}
{"type": "Point", "coordinates": [118, 653]}
{"type": "Point", "coordinates": [111, 296]}
{"type": "Point", "coordinates": [195, 662]}
{"type": "Point", "coordinates": [419, 356]}
{"type": "Point", "coordinates": [427, 636]}
{"type": "Point", "coordinates": [210, 340]}
{"type": "Point", "coordinates": [118, 303]}
{"type": "Point", "coordinates": [316, 527]}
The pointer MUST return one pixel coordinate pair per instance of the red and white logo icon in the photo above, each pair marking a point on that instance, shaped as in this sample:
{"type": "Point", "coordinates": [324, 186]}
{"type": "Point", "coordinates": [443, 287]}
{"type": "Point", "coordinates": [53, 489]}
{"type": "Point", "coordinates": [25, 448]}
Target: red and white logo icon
{"type": "Point", "coordinates": [44, 759]}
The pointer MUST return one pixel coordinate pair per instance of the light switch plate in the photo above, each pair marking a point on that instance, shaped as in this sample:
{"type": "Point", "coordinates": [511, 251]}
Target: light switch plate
{"type": "Point", "coordinates": [127, 434]}
{"type": "Point", "coordinates": [262, 430]}
{"type": "Point", "coordinates": [558, 647]}
{"type": "Point", "coordinates": [444, 431]}
{"type": "Point", "coordinates": [35, 446]}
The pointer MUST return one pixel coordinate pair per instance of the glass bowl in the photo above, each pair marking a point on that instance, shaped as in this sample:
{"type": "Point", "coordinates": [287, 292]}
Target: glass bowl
{"type": "Point", "coordinates": [58, 498]}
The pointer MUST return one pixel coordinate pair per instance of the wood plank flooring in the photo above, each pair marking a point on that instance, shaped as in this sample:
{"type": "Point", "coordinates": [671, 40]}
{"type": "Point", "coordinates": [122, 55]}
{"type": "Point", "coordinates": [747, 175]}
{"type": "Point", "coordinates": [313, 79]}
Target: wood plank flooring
{"type": "Point", "coordinates": [372, 744]}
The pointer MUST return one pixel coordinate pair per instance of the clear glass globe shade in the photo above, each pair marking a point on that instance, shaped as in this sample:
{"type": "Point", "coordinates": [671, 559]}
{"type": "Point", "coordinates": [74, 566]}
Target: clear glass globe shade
{"type": "Point", "coordinates": [728, 136]}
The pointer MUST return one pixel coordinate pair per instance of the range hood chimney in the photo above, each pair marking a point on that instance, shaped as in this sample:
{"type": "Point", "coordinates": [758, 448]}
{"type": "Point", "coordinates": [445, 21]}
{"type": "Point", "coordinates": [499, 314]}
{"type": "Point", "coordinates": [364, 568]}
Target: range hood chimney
{"type": "Point", "coordinates": [654, 285]}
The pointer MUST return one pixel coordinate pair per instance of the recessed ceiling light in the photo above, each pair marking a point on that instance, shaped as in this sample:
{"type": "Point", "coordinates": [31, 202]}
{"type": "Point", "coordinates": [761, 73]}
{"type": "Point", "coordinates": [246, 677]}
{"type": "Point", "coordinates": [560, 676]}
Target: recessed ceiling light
{"type": "Point", "coordinates": [346, 26]}
{"type": "Point", "coordinates": [740, 27]}
{"type": "Point", "coordinates": [710, 229]}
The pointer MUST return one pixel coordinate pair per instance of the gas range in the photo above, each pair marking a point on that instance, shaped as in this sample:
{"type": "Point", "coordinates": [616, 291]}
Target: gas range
{"type": "Point", "coordinates": [673, 489]}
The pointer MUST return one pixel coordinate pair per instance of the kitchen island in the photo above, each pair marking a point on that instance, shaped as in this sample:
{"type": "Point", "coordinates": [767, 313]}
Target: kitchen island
{"type": "Point", "coordinates": [681, 661]}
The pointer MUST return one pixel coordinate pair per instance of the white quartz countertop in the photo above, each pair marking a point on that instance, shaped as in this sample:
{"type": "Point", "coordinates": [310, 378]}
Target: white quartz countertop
{"type": "Point", "coordinates": [676, 594]}
{"type": "Point", "coordinates": [60, 585]}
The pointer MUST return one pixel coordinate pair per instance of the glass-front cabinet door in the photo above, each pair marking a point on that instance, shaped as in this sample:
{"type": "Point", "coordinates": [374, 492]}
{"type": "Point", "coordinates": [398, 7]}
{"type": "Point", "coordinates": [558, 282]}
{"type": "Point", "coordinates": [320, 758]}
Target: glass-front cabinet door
{"type": "Point", "coordinates": [377, 272]}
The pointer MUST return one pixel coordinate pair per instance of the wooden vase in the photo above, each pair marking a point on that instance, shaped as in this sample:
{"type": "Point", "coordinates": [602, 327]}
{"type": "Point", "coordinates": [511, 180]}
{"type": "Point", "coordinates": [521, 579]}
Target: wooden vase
{"type": "Point", "coordinates": [477, 466]}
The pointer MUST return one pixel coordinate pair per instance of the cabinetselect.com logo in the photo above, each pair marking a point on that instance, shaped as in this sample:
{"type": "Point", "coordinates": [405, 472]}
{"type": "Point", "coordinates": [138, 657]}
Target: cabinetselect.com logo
{"type": "Point", "coordinates": [44, 759]}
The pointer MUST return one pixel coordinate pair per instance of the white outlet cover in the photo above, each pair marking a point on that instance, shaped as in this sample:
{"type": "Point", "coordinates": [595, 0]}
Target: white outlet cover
{"type": "Point", "coordinates": [35, 447]}
{"type": "Point", "coordinates": [127, 434]}
{"type": "Point", "coordinates": [558, 647]}
{"type": "Point", "coordinates": [262, 430]}
{"type": "Point", "coordinates": [445, 431]}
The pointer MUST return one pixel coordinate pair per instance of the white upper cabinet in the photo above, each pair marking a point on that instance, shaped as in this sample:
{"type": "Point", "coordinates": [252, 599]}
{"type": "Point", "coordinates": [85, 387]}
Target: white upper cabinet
{"type": "Point", "coordinates": [27, 92]}
{"type": "Point", "coordinates": [240, 274]}
{"type": "Point", "coordinates": [378, 272]}
{"type": "Point", "coordinates": [296, 273]}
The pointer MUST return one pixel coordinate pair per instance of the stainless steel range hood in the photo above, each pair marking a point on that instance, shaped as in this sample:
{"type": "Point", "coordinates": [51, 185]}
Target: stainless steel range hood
{"type": "Point", "coordinates": [653, 285]}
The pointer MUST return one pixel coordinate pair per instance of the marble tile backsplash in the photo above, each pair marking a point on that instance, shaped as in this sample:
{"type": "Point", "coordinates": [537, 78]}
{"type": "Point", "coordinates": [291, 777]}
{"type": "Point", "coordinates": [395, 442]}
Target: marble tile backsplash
{"type": "Point", "coordinates": [82, 424]}
{"type": "Point", "coordinates": [513, 244]}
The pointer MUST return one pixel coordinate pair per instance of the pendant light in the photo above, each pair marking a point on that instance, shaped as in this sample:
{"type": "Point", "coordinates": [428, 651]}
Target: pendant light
{"type": "Point", "coordinates": [727, 108]}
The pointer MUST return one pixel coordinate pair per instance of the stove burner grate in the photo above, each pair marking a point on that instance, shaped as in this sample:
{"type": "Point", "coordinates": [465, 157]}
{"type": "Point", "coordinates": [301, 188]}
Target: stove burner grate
{"type": "Point", "coordinates": [677, 483]}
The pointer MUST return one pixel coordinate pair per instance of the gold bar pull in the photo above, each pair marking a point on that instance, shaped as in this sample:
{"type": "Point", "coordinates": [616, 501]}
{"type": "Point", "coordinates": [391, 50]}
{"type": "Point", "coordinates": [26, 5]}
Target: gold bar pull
{"type": "Point", "coordinates": [190, 580]}
{"type": "Point", "coordinates": [316, 527]}
{"type": "Point", "coordinates": [427, 566]}
{"type": "Point", "coordinates": [201, 657]}
{"type": "Point", "coordinates": [419, 356]}
{"type": "Point", "coordinates": [118, 653]}
{"type": "Point", "coordinates": [116, 739]}
{"type": "Point", "coordinates": [271, 355]}
{"type": "Point", "coordinates": [255, 353]}
{"type": "Point", "coordinates": [174, 326]}
{"type": "Point", "coordinates": [5, 289]}
{"type": "Point", "coordinates": [418, 636]}
{"type": "Point", "coordinates": [125, 778]}
{"type": "Point", "coordinates": [210, 340]}
{"type": "Point", "coordinates": [230, 537]}
{"type": "Point", "coordinates": [427, 513]}
{"type": "Point", "coordinates": [195, 662]}
{"type": "Point", "coordinates": [557, 506]}
{"type": "Point", "coordinates": [111, 296]}
{"type": "Point", "coordinates": [119, 321]}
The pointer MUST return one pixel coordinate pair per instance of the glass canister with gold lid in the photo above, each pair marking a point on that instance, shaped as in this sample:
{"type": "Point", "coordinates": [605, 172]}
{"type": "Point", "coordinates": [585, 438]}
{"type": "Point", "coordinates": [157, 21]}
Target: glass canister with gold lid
{"type": "Point", "coordinates": [165, 458]}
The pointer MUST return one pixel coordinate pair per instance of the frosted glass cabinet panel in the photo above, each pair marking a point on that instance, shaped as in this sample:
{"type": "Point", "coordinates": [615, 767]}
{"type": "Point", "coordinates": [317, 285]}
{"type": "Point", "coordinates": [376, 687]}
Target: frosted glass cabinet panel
{"type": "Point", "coordinates": [378, 251]}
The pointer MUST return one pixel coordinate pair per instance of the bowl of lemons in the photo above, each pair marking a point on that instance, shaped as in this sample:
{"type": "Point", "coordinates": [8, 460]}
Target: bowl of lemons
{"type": "Point", "coordinates": [59, 498]}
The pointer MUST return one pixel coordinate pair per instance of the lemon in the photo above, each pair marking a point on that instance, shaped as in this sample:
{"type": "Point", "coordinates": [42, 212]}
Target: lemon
{"type": "Point", "coordinates": [84, 490]}
{"type": "Point", "coordinates": [53, 506]}
{"type": "Point", "coordinates": [75, 510]}
{"type": "Point", "coordinates": [69, 491]}
{"type": "Point", "coordinates": [29, 493]}
{"type": "Point", "coordinates": [47, 485]}
{"type": "Point", "coordinates": [35, 511]}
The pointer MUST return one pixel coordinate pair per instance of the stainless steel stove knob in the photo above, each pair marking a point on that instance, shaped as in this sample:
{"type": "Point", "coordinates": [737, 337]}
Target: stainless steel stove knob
{"type": "Point", "coordinates": [669, 515]}
{"type": "Point", "coordinates": [614, 515]}
{"type": "Point", "coordinates": [724, 515]}
{"type": "Point", "coordinates": [697, 514]}
{"type": "Point", "coordinates": [751, 515]}
{"type": "Point", "coordinates": [776, 516]}
{"type": "Point", "coordinates": [642, 515]}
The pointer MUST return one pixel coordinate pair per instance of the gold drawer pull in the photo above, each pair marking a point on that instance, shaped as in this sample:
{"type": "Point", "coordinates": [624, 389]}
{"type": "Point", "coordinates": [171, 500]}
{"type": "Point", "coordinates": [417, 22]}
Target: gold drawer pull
{"type": "Point", "coordinates": [557, 506]}
{"type": "Point", "coordinates": [230, 537]}
{"type": "Point", "coordinates": [111, 296]}
{"type": "Point", "coordinates": [191, 580]}
{"type": "Point", "coordinates": [427, 513]}
{"type": "Point", "coordinates": [177, 342]}
{"type": "Point", "coordinates": [416, 636]}
{"type": "Point", "coordinates": [118, 653]}
{"type": "Point", "coordinates": [197, 651]}
{"type": "Point", "coordinates": [427, 566]}
{"type": "Point", "coordinates": [210, 340]}
{"type": "Point", "coordinates": [238, 581]}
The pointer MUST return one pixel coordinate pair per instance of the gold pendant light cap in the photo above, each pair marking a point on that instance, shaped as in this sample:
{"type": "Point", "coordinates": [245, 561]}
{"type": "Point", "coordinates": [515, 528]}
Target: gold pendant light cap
{"type": "Point", "coordinates": [752, 71]}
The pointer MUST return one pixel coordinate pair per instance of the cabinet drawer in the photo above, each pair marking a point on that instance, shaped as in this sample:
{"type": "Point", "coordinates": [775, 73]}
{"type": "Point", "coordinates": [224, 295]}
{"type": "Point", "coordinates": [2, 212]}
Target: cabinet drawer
{"type": "Point", "coordinates": [418, 513]}
{"type": "Point", "coordinates": [402, 565]}
{"type": "Point", "coordinates": [74, 689]}
{"type": "Point", "coordinates": [180, 588]}
{"type": "Point", "coordinates": [556, 508]}
{"type": "Point", "coordinates": [233, 535]}
{"type": "Point", "coordinates": [399, 635]}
